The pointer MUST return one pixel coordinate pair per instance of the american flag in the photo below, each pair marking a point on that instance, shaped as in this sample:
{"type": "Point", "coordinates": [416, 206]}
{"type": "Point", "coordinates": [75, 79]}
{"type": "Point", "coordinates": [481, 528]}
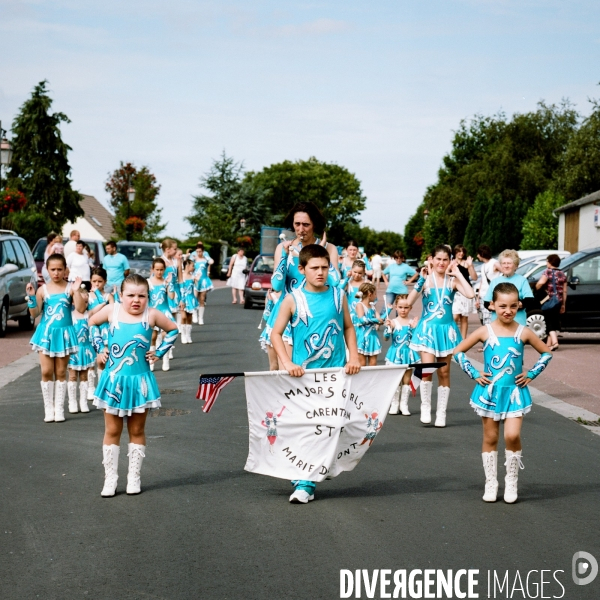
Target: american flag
{"type": "Point", "coordinates": [418, 374]}
{"type": "Point", "coordinates": [209, 388]}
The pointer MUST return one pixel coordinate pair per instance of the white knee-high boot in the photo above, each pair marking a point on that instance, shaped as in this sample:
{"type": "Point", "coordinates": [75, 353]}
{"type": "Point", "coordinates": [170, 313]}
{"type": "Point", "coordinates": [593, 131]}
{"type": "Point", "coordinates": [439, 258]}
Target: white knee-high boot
{"type": "Point", "coordinates": [136, 456]}
{"type": "Point", "coordinates": [83, 396]}
{"type": "Point", "coordinates": [91, 384]}
{"type": "Point", "coordinates": [188, 333]}
{"type": "Point", "coordinates": [490, 466]}
{"type": "Point", "coordinates": [404, 400]}
{"type": "Point", "coordinates": [48, 395]}
{"type": "Point", "coordinates": [179, 318]}
{"type": "Point", "coordinates": [426, 388]}
{"type": "Point", "coordinates": [395, 402]}
{"type": "Point", "coordinates": [60, 390]}
{"type": "Point", "coordinates": [195, 315]}
{"type": "Point", "coordinates": [72, 393]}
{"type": "Point", "coordinates": [166, 364]}
{"type": "Point", "coordinates": [442, 405]}
{"type": "Point", "coordinates": [111, 470]}
{"type": "Point", "coordinates": [201, 315]}
{"type": "Point", "coordinates": [513, 464]}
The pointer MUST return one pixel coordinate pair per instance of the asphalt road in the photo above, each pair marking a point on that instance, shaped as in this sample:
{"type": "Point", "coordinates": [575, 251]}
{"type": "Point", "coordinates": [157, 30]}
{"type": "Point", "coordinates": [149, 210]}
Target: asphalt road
{"type": "Point", "coordinates": [204, 528]}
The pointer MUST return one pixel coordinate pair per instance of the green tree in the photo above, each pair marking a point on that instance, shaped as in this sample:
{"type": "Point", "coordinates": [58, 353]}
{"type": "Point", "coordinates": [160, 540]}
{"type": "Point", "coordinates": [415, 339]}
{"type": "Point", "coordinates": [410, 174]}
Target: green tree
{"type": "Point", "coordinates": [373, 241]}
{"type": "Point", "coordinates": [334, 189]}
{"type": "Point", "coordinates": [413, 234]}
{"type": "Point", "coordinates": [540, 226]}
{"type": "Point", "coordinates": [215, 214]}
{"type": "Point", "coordinates": [580, 172]}
{"type": "Point", "coordinates": [140, 219]}
{"type": "Point", "coordinates": [40, 168]}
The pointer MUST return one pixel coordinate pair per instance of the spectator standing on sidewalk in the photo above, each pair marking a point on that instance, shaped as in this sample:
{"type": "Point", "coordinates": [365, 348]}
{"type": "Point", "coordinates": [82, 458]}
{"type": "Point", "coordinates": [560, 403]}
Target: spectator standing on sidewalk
{"type": "Point", "coordinates": [72, 243]}
{"type": "Point", "coordinates": [554, 306]}
{"type": "Point", "coordinates": [117, 267]}
{"type": "Point", "coordinates": [78, 263]}
{"type": "Point", "coordinates": [488, 272]}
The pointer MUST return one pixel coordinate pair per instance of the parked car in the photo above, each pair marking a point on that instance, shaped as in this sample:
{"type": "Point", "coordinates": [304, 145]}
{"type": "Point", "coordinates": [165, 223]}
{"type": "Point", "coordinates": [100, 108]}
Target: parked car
{"type": "Point", "coordinates": [258, 281]}
{"type": "Point", "coordinates": [17, 269]}
{"type": "Point", "coordinates": [139, 255]}
{"type": "Point", "coordinates": [224, 269]}
{"type": "Point", "coordinates": [582, 311]}
{"type": "Point", "coordinates": [96, 247]}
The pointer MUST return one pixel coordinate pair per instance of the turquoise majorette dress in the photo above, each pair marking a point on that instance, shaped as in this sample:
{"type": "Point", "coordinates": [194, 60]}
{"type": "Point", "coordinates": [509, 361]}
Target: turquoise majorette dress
{"type": "Point", "coordinates": [503, 398]}
{"type": "Point", "coordinates": [436, 332]}
{"type": "Point", "coordinates": [55, 335]}
{"type": "Point", "coordinates": [171, 268]}
{"type": "Point", "coordinates": [127, 385]}
{"type": "Point", "coordinates": [186, 289]}
{"type": "Point", "coordinates": [399, 352]}
{"type": "Point", "coordinates": [367, 337]}
{"type": "Point", "coordinates": [318, 328]}
{"type": "Point", "coordinates": [97, 298]}
{"type": "Point", "coordinates": [84, 358]}
{"type": "Point", "coordinates": [159, 299]}
{"type": "Point", "coordinates": [351, 292]}
{"type": "Point", "coordinates": [203, 282]}
{"type": "Point", "coordinates": [269, 304]}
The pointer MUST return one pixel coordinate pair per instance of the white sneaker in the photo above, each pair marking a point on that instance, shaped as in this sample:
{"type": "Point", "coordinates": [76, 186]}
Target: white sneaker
{"type": "Point", "coordinates": [301, 497]}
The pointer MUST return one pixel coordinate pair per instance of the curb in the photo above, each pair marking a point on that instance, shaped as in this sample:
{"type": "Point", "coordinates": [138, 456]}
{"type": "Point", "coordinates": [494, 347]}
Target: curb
{"type": "Point", "coordinates": [564, 409]}
{"type": "Point", "coordinates": [19, 367]}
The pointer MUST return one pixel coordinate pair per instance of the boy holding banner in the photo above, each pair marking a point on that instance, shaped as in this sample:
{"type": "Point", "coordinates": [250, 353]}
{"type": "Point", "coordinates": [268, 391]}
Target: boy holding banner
{"type": "Point", "coordinates": [318, 314]}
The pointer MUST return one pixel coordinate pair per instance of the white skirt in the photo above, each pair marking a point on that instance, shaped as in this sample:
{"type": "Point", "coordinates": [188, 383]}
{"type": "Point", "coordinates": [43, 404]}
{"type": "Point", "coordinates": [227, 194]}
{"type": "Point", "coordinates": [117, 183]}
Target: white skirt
{"type": "Point", "coordinates": [237, 281]}
{"type": "Point", "coordinates": [463, 306]}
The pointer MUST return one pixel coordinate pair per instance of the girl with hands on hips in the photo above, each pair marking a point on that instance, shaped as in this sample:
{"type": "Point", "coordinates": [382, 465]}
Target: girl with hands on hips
{"type": "Point", "coordinates": [501, 393]}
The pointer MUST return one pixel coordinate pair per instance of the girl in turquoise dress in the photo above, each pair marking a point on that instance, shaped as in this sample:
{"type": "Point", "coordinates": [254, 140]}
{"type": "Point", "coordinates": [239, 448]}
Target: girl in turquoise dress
{"type": "Point", "coordinates": [400, 330]}
{"type": "Point", "coordinates": [501, 392]}
{"type": "Point", "coordinates": [366, 323]}
{"type": "Point", "coordinates": [203, 283]}
{"type": "Point", "coordinates": [97, 299]}
{"type": "Point", "coordinates": [436, 334]}
{"type": "Point", "coordinates": [352, 285]}
{"type": "Point", "coordinates": [80, 362]}
{"type": "Point", "coordinates": [189, 302]}
{"type": "Point", "coordinates": [160, 289]}
{"type": "Point", "coordinates": [55, 338]}
{"type": "Point", "coordinates": [271, 300]}
{"type": "Point", "coordinates": [173, 268]}
{"type": "Point", "coordinates": [127, 387]}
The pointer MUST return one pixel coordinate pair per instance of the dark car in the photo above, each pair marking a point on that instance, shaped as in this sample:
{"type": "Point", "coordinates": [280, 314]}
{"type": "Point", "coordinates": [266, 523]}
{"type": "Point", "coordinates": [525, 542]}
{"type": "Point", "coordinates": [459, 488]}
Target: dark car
{"type": "Point", "coordinates": [224, 269]}
{"type": "Point", "coordinates": [582, 311]}
{"type": "Point", "coordinates": [139, 255]}
{"type": "Point", "coordinates": [17, 269]}
{"type": "Point", "coordinates": [40, 247]}
{"type": "Point", "coordinates": [258, 281]}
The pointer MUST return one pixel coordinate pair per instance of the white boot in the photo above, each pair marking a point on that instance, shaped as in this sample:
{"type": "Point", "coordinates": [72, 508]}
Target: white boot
{"type": "Point", "coordinates": [195, 315]}
{"type": "Point", "coordinates": [91, 384]}
{"type": "Point", "coordinates": [170, 354]}
{"type": "Point", "coordinates": [136, 457]}
{"type": "Point", "coordinates": [201, 315]}
{"type": "Point", "coordinates": [166, 366]}
{"type": "Point", "coordinates": [490, 466]}
{"type": "Point", "coordinates": [152, 348]}
{"type": "Point", "coordinates": [188, 333]}
{"type": "Point", "coordinates": [72, 392]}
{"type": "Point", "coordinates": [83, 396]}
{"type": "Point", "coordinates": [111, 470]}
{"type": "Point", "coordinates": [395, 402]}
{"type": "Point", "coordinates": [513, 464]}
{"type": "Point", "coordinates": [48, 395]}
{"type": "Point", "coordinates": [60, 390]}
{"type": "Point", "coordinates": [442, 405]}
{"type": "Point", "coordinates": [426, 388]}
{"type": "Point", "coordinates": [178, 319]}
{"type": "Point", "coordinates": [404, 400]}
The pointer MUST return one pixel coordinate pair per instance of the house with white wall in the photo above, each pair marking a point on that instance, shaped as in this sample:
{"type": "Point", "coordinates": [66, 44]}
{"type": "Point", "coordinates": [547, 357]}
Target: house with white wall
{"type": "Point", "coordinates": [96, 223]}
{"type": "Point", "coordinates": [579, 224]}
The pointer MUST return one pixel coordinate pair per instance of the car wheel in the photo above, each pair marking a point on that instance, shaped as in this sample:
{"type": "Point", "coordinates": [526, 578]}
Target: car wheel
{"type": "Point", "coordinates": [3, 319]}
{"type": "Point", "coordinates": [537, 324]}
{"type": "Point", "coordinates": [27, 322]}
{"type": "Point", "coordinates": [247, 302]}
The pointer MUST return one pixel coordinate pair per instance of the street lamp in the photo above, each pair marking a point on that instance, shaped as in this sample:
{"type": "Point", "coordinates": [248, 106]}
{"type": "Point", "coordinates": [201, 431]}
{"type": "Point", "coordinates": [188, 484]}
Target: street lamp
{"type": "Point", "coordinates": [425, 215]}
{"type": "Point", "coordinates": [6, 151]}
{"type": "Point", "coordinates": [130, 199]}
{"type": "Point", "coordinates": [242, 223]}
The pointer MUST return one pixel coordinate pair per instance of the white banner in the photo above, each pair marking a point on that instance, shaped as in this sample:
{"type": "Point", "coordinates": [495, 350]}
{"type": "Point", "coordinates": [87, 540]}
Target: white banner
{"type": "Point", "coordinates": [317, 425]}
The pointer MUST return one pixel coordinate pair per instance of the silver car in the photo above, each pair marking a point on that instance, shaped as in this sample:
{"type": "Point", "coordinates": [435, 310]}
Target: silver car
{"type": "Point", "coordinates": [17, 269]}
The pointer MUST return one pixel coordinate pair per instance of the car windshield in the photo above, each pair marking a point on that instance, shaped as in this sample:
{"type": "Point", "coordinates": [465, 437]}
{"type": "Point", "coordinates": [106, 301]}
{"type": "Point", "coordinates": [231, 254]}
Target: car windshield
{"type": "Point", "coordinates": [537, 272]}
{"type": "Point", "coordinates": [567, 262]}
{"type": "Point", "coordinates": [38, 251]}
{"type": "Point", "coordinates": [525, 267]}
{"type": "Point", "coordinates": [133, 252]}
{"type": "Point", "coordinates": [264, 264]}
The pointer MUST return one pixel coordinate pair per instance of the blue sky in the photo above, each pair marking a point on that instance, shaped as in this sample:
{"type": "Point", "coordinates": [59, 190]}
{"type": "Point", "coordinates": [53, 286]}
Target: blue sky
{"type": "Point", "coordinates": [377, 87]}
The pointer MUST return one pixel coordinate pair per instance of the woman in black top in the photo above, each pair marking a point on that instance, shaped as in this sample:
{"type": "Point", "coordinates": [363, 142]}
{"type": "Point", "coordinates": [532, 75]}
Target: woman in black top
{"type": "Point", "coordinates": [462, 307]}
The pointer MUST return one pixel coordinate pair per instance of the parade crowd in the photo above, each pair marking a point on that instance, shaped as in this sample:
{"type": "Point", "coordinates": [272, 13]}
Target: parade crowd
{"type": "Point", "coordinates": [105, 330]}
